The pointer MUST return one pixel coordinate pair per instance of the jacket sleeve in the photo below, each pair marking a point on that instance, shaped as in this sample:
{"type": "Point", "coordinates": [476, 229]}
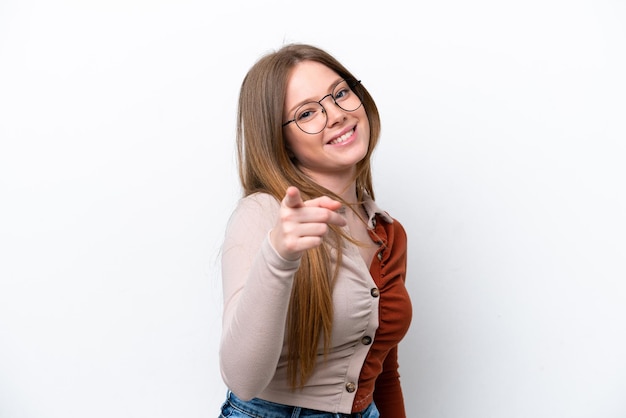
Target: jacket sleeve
{"type": "Point", "coordinates": [257, 286]}
{"type": "Point", "coordinates": [388, 391]}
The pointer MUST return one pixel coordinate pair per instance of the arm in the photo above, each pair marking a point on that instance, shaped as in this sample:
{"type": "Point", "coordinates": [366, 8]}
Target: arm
{"type": "Point", "coordinates": [388, 391]}
{"type": "Point", "coordinates": [257, 286]}
{"type": "Point", "coordinates": [261, 254]}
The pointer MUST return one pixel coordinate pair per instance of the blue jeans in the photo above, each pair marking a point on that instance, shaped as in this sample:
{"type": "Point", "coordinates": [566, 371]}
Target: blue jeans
{"type": "Point", "coordinates": [234, 407]}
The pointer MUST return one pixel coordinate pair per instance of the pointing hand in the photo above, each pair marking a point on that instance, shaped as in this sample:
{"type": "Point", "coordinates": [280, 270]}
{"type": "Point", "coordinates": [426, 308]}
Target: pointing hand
{"type": "Point", "coordinates": [302, 225]}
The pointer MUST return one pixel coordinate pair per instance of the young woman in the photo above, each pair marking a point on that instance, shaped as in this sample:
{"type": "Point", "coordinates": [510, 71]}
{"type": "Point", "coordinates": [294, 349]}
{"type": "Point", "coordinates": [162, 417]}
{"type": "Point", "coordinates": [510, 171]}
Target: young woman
{"type": "Point", "coordinates": [313, 270]}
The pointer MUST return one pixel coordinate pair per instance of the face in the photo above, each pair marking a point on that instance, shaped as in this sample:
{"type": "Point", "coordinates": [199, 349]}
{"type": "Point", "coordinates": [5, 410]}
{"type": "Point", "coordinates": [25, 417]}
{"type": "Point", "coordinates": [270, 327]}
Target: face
{"type": "Point", "coordinates": [333, 153]}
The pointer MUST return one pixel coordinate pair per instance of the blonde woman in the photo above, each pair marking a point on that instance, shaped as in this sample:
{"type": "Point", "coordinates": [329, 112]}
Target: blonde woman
{"type": "Point", "coordinates": [313, 270]}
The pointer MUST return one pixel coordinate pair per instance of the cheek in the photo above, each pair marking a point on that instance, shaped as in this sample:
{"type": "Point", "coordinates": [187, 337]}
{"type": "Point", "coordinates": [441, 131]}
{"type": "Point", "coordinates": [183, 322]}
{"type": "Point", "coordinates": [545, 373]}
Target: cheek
{"type": "Point", "coordinates": [297, 144]}
{"type": "Point", "coordinates": [290, 144]}
{"type": "Point", "coordinates": [362, 115]}
{"type": "Point", "coordinates": [365, 127]}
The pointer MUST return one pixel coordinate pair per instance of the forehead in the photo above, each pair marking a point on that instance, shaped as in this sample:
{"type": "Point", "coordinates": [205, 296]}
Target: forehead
{"type": "Point", "coordinates": [308, 80]}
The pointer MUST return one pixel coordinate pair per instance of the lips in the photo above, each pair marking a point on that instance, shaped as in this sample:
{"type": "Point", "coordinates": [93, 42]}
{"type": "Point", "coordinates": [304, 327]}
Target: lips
{"type": "Point", "coordinates": [342, 138]}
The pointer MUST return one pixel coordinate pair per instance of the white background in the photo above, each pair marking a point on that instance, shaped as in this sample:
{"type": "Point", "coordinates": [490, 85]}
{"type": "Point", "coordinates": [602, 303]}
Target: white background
{"type": "Point", "coordinates": [502, 152]}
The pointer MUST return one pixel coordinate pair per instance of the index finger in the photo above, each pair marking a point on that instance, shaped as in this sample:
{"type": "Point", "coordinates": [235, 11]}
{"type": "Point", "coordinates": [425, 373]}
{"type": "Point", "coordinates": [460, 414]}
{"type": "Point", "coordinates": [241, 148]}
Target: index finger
{"type": "Point", "coordinates": [292, 198]}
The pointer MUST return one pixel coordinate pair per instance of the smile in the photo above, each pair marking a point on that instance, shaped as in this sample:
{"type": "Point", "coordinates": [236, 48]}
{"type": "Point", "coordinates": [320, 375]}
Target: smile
{"type": "Point", "coordinates": [342, 138]}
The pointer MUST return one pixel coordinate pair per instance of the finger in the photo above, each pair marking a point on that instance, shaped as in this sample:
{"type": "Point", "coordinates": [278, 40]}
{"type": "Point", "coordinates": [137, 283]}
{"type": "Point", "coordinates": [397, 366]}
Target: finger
{"type": "Point", "coordinates": [329, 216]}
{"type": "Point", "coordinates": [290, 243]}
{"type": "Point", "coordinates": [292, 198]}
{"type": "Point", "coordinates": [312, 230]}
{"type": "Point", "coordinates": [316, 214]}
{"type": "Point", "coordinates": [306, 243]}
{"type": "Point", "coordinates": [324, 202]}
{"type": "Point", "coordinates": [337, 219]}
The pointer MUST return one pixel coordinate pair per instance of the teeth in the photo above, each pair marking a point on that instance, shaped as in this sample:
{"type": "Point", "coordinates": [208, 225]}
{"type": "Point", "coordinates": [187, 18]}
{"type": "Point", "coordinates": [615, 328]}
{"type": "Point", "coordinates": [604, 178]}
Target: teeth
{"type": "Point", "coordinates": [342, 138]}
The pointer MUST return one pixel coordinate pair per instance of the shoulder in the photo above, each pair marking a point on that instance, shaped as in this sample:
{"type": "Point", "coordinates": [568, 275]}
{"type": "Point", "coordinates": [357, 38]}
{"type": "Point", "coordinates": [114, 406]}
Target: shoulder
{"type": "Point", "coordinates": [258, 202]}
{"type": "Point", "coordinates": [257, 205]}
{"type": "Point", "coordinates": [398, 229]}
{"type": "Point", "coordinates": [256, 212]}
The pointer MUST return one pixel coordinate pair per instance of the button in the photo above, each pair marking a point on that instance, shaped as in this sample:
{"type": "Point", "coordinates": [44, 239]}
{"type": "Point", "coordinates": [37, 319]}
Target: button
{"type": "Point", "coordinates": [350, 387]}
{"type": "Point", "coordinates": [367, 340]}
{"type": "Point", "coordinates": [375, 292]}
{"type": "Point", "coordinates": [380, 256]}
{"type": "Point", "coordinates": [374, 221]}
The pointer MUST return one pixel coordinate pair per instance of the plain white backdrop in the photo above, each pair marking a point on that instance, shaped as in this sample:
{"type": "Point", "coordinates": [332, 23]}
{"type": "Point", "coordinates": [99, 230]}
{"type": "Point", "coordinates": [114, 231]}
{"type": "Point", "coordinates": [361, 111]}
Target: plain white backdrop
{"type": "Point", "coordinates": [503, 153]}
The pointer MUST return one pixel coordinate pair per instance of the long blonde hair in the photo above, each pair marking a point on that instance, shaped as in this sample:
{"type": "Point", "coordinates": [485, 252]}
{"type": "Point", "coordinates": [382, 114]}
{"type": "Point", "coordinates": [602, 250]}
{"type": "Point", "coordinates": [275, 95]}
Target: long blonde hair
{"type": "Point", "coordinates": [265, 166]}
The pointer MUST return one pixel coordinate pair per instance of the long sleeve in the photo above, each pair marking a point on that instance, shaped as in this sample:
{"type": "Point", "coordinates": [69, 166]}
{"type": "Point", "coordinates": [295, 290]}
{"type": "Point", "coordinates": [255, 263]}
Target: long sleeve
{"type": "Point", "coordinates": [257, 286]}
{"type": "Point", "coordinates": [388, 392]}
{"type": "Point", "coordinates": [379, 379]}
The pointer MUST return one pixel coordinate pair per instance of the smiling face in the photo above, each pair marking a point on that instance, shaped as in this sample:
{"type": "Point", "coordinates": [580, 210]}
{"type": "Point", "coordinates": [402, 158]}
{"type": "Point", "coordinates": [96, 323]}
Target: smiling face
{"type": "Point", "coordinates": [330, 156]}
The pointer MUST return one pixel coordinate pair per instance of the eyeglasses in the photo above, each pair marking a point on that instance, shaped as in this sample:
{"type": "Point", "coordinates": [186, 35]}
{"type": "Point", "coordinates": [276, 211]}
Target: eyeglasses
{"type": "Point", "coordinates": [311, 117]}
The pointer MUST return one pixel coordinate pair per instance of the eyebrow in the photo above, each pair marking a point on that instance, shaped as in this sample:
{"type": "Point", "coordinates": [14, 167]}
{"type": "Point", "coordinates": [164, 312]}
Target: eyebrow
{"type": "Point", "coordinates": [311, 100]}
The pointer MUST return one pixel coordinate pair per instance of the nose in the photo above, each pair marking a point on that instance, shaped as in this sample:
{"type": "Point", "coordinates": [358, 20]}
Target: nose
{"type": "Point", "coordinates": [333, 112]}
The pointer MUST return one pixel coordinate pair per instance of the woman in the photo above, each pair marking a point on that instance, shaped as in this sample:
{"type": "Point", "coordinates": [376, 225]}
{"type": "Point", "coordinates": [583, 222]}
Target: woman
{"type": "Point", "coordinates": [313, 271]}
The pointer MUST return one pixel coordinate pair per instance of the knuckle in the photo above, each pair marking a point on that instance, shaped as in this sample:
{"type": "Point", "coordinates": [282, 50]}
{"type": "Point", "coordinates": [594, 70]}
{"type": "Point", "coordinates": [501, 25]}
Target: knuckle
{"type": "Point", "coordinates": [290, 243]}
{"type": "Point", "coordinates": [286, 215]}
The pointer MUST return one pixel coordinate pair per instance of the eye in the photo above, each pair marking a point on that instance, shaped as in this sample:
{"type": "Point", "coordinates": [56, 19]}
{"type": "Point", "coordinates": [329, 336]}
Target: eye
{"type": "Point", "coordinates": [342, 91]}
{"type": "Point", "coordinates": [308, 111]}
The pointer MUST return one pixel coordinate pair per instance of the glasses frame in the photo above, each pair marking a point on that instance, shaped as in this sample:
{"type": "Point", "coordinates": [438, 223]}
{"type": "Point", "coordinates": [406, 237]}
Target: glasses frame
{"type": "Point", "coordinates": [351, 84]}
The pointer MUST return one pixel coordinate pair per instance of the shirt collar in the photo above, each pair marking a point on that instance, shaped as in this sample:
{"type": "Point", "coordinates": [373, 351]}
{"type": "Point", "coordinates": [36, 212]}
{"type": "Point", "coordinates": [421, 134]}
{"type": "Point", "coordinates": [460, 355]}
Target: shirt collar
{"type": "Point", "coordinates": [372, 210]}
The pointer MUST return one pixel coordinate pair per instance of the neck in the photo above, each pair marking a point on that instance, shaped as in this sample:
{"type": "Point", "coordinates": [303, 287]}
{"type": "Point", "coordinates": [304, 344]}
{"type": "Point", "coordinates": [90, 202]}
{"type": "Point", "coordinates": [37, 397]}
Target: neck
{"type": "Point", "coordinates": [348, 194]}
{"type": "Point", "coordinates": [342, 186]}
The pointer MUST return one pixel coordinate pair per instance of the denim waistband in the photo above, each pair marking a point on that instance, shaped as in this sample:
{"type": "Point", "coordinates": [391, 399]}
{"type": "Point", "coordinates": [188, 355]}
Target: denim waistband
{"type": "Point", "coordinates": [260, 408]}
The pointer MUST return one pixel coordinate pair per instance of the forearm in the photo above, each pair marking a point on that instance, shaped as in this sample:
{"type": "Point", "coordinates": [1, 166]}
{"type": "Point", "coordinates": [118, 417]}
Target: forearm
{"type": "Point", "coordinates": [254, 322]}
{"type": "Point", "coordinates": [388, 393]}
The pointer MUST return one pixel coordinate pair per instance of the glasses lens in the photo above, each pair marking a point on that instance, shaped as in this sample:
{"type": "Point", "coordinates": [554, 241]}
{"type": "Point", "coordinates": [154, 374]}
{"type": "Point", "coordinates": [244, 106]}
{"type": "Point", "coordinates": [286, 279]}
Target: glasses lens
{"type": "Point", "coordinates": [345, 97]}
{"type": "Point", "coordinates": [311, 118]}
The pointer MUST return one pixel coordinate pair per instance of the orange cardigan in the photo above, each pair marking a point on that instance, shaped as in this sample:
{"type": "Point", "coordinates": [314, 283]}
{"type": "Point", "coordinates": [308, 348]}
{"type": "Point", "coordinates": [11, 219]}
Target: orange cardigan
{"type": "Point", "coordinates": [379, 379]}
